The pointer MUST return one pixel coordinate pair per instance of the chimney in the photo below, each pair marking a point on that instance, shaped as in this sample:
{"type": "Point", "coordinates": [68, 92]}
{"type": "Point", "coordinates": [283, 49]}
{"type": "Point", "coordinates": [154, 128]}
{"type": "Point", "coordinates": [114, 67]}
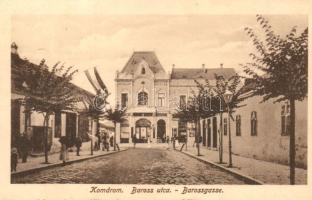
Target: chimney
{"type": "Point", "coordinates": [221, 65]}
{"type": "Point", "coordinates": [173, 65]}
{"type": "Point", "coordinates": [14, 48]}
{"type": "Point", "coordinates": [203, 66]}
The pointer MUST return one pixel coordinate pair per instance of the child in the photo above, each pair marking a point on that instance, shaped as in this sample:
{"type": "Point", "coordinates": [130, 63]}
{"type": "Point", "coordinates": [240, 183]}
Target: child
{"type": "Point", "coordinates": [14, 158]}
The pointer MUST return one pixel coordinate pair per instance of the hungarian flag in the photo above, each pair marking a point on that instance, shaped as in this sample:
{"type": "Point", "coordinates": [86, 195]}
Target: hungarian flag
{"type": "Point", "coordinates": [96, 82]}
{"type": "Point", "coordinates": [100, 82]}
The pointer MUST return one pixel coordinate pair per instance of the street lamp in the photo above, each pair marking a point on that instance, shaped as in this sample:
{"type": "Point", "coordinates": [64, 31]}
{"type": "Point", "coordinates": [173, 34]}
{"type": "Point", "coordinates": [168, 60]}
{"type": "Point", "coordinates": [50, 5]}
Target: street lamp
{"type": "Point", "coordinates": [227, 96]}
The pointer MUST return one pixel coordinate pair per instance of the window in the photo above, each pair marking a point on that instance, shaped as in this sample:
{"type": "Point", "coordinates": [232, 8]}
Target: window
{"type": "Point", "coordinates": [124, 100]}
{"type": "Point", "coordinates": [225, 126]}
{"type": "Point", "coordinates": [143, 71]}
{"type": "Point", "coordinates": [253, 121]}
{"type": "Point", "coordinates": [161, 99]}
{"type": "Point", "coordinates": [238, 125]}
{"type": "Point", "coordinates": [285, 119]}
{"type": "Point", "coordinates": [142, 98]}
{"type": "Point", "coordinates": [182, 101]}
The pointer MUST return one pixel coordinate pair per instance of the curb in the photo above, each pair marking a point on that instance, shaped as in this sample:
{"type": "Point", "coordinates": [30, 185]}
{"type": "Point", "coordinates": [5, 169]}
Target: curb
{"type": "Point", "coordinates": [41, 168]}
{"type": "Point", "coordinates": [246, 178]}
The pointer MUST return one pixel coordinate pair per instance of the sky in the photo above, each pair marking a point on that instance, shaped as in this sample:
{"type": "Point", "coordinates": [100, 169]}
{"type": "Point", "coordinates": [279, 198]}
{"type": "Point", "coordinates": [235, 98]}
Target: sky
{"type": "Point", "coordinates": [107, 42]}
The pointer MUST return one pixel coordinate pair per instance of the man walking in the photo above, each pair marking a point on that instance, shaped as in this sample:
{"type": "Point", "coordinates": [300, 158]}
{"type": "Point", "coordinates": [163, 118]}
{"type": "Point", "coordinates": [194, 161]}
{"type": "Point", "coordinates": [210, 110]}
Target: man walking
{"type": "Point", "coordinates": [173, 139]}
{"type": "Point", "coordinates": [111, 141]}
{"type": "Point", "coordinates": [78, 144]}
{"type": "Point", "coordinates": [14, 158]}
{"type": "Point", "coordinates": [24, 147]}
{"type": "Point", "coordinates": [183, 139]}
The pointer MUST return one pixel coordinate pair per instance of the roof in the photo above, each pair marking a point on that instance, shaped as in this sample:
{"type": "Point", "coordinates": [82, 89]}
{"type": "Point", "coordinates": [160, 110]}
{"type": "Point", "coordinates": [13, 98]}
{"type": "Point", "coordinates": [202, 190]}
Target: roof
{"type": "Point", "coordinates": [19, 65]}
{"type": "Point", "coordinates": [204, 73]}
{"type": "Point", "coordinates": [149, 56]}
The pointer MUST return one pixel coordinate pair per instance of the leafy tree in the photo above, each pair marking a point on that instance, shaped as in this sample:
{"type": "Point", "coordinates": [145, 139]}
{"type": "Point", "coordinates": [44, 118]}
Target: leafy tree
{"type": "Point", "coordinates": [190, 112]}
{"type": "Point", "coordinates": [212, 98]}
{"type": "Point", "coordinates": [117, 115]}
{"type": "Point", "coordinates": [279, 71]}
{"type": "Point", "coordinates": [48, 91]}
{"type": "Point", "coordinates": [95, 113]}
{"type": "Point", "coordinates": [197, 107]}
{"type": "Point", "coordinates": [238, 95]}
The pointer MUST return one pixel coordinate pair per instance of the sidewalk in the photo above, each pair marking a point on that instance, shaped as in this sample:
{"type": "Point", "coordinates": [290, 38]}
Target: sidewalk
{"type": "Point", "coordinates": [37, 163]}
{"type": "Point", "coordinates": [263, 171]}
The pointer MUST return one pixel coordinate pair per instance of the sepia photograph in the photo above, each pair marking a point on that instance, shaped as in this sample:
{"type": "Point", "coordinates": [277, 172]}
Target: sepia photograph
{"type": "Point", "coordinates": [159, 100]}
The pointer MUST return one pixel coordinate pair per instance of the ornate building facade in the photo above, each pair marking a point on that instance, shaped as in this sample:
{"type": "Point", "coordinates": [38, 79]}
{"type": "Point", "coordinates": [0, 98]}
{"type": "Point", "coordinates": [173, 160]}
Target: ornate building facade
{"type": "Point", "coordinates": [152, 95]}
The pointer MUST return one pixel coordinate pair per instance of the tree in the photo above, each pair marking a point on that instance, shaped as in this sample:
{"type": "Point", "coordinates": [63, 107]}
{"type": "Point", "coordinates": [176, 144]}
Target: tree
{"type": "Point", "coordinates": [279, 72]}
{"type": "Point", "coordinates": [213, 102]}
{"type": "Point", "coordinates": [95, 112]}
{"type": "Point", "coordinates": [117, 115]}
{"type": "Point", "coordinates": [190, 112]}
{"type": "Point", "coordinates": [232, 94]}
{"type": "Point", "coordinates": [48, 91]}
{"type": "Point", "coordinates": [198, 106]}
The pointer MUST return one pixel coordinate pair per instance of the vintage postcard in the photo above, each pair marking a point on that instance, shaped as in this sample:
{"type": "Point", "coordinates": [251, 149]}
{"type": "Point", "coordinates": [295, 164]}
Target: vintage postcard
{"type": "Point", "coordinates": [157, 105]}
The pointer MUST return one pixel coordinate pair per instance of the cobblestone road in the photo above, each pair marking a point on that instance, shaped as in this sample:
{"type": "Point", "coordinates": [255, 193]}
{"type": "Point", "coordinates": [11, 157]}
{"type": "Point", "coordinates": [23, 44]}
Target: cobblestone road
{"type": "Point", "coordinates": [135, 166]}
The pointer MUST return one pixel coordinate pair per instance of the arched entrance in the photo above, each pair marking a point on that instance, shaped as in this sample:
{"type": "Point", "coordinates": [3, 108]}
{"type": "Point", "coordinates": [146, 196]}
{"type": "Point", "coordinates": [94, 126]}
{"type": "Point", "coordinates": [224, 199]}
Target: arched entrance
{"type": "Point", "coordinates": [142, 130]}
{"type": "Point", "coordinates": [161, 130]}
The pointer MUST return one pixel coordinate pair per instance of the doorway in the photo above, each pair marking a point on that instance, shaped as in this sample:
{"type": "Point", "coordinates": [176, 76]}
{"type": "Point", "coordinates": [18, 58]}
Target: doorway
{"type": "Point", "coordinates": [161, 130]}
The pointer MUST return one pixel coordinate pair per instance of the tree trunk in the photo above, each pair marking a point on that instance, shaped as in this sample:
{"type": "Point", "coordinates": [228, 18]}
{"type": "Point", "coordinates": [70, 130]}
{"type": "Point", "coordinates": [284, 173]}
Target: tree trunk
{"type": "Point", "coordinates": [45, 130]}
{"type": "Point", "coordinates": [292, 142]}
{"type": "Point", "coordinates": [115, 137]}
{"type": "Point", "coordinates": [91, 137]}
{"type": "Point", "coordinates": [230, 140]}
{"type": "Point", "coordinates": [221, 139]}
{"type": "Point", "coordinates": [198, 135]}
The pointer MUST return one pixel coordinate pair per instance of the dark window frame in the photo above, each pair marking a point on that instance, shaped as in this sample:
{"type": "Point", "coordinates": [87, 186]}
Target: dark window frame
{"type": "Point", "coordinates": [253, 123]}
{"type": "Point", "coordinates": [142, 98]}
{"type": "Point", "coordinates": [238, 125]}
{"type": "Point", "coordinates": [124, 104]}
{"type": "Point", "coordinates": [225, 126]}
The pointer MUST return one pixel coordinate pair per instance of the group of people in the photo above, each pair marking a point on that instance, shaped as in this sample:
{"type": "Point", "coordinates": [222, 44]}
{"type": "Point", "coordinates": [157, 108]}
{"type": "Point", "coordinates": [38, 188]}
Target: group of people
{"type": "Point", "coordinates": [21, 148]}
{"type": "Point", "coordinates": [183, 139]}
{"type": "Point", "coordinates": [105, 140]}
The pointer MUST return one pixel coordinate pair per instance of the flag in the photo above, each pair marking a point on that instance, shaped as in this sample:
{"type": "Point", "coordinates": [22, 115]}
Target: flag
{"type": "Point", "coordinates": [94, 84]}
{"type": "Point", "coordinates": [100, 82]}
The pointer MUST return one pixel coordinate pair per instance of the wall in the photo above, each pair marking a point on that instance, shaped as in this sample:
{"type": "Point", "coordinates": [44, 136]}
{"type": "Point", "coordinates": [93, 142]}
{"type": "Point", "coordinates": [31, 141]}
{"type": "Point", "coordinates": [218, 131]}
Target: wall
{"type": "Point", "coordinates": [269, 144]}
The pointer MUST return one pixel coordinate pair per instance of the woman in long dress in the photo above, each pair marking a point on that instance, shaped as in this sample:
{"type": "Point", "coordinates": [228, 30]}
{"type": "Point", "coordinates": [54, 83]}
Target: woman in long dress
{"type": "Point", "coordinates": [63, 152]}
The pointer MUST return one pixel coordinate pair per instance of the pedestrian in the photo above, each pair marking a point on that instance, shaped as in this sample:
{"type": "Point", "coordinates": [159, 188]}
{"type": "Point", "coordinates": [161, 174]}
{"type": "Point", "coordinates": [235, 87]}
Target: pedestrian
{"type": "Point", "coordinates": [78, 143]}
{"type": "Point", "coordinates": [184, 141]}
{"type": "Point", "coordinates": [25, 146]}
{"type": "Point", "coordinates": [111, 141]}
{"type": "Point", "coordinates": [116, 144]}
{"type": "Point", "coordinates": [107, 141]}
{"type": "Point", "coordinates": [134, 140]}
{"type": "Point", "coordinates": [98, 141]}
{"type": "Point", "coordinates": [63, 152]}
{"type": "Point", "coordinates": [174, 141]}
{"type": "Point", "coordinates": [103, 141]}
{"type": "Point", "coordinates": [14, 159]}
{"type": "Point", "coordinates": [167, 139]}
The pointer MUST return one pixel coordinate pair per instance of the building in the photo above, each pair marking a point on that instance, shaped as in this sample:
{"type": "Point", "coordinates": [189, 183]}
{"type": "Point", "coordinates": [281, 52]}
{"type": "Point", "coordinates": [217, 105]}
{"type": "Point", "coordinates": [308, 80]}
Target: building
{"type": "Point", "coordinates": [260, 131]}
{"type": "Point", "coordinates": [151, 96]}
{"type": "Point", "coordinates": [65, 123]}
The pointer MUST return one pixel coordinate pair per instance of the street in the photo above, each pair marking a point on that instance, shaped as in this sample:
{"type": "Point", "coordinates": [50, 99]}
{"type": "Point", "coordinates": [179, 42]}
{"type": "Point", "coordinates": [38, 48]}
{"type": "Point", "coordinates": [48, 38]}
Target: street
{"type": "Point", "coordinates": [135, 166]}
